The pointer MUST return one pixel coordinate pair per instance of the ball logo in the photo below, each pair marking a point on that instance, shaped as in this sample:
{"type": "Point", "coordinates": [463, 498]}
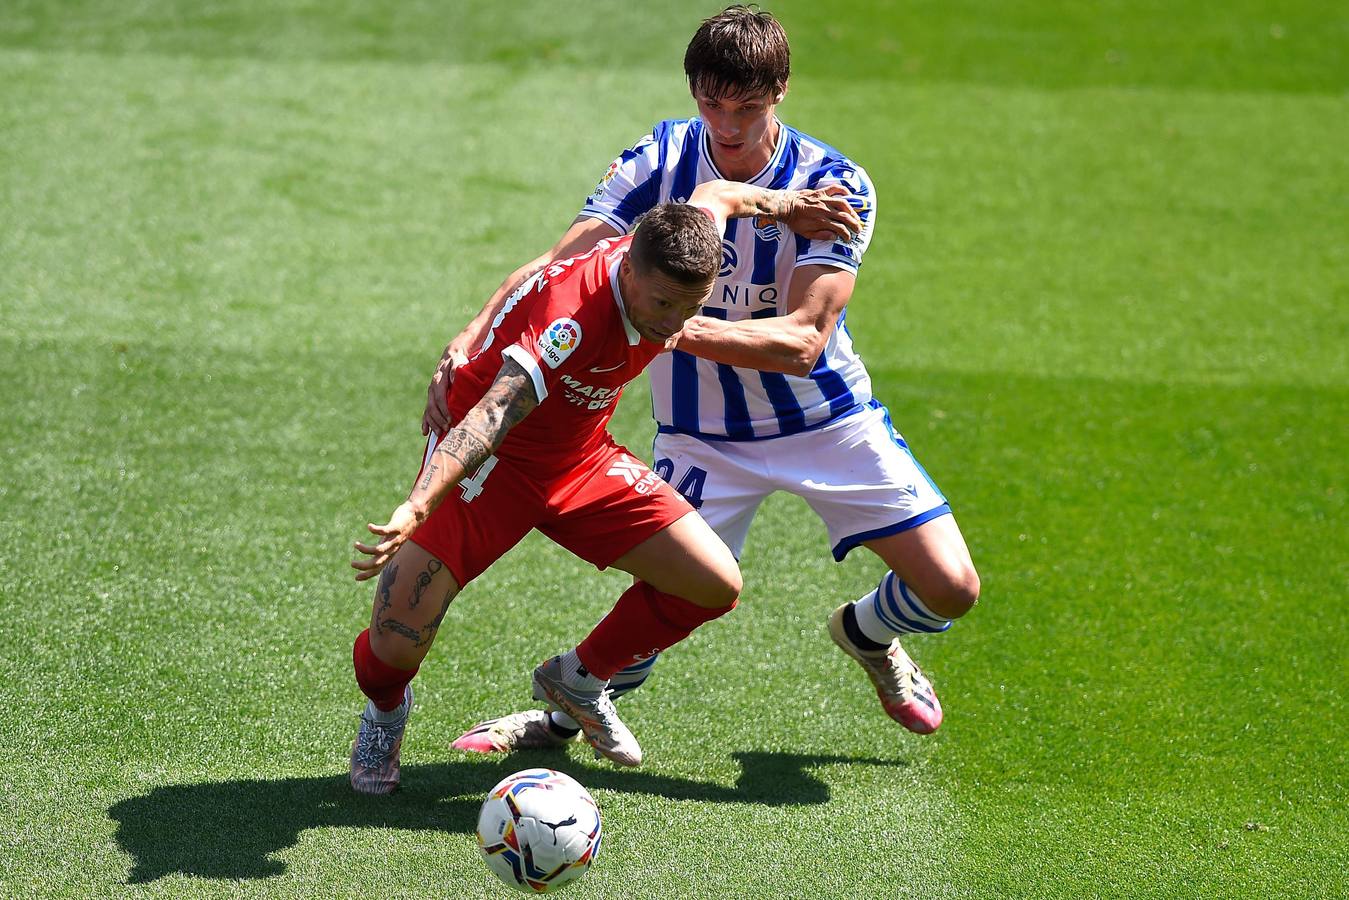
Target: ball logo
{"type": "Point", "coordinates": [729, 258]}
{"type": "Point", "coordinates": [558, 341]}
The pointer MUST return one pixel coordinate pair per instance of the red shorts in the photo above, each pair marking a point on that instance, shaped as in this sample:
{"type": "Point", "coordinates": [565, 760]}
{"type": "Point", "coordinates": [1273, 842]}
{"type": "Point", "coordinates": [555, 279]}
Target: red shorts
{"type": "Point", "coordinates": [599, 509]}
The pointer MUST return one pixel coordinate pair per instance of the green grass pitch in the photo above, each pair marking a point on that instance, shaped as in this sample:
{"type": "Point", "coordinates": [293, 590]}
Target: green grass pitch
{"type": "Point", "coordinates": [1107, 303]}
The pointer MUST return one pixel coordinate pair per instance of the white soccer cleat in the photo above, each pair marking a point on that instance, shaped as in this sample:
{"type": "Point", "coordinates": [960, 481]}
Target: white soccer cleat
{"type": "Point", "coordinates": [593, 711]}
{"type": "Point", "coordinates": [903, 689]}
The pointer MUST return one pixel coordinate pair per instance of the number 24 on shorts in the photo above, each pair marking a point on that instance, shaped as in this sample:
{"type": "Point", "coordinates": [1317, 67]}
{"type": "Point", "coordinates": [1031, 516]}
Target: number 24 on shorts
{"type": "Point", "coordinates": [690, 486]}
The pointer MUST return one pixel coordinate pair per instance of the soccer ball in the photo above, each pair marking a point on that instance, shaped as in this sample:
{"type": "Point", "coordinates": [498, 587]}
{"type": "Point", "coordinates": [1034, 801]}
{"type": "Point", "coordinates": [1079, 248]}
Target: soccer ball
{"type": "Point", "coordinates": [538, 830]}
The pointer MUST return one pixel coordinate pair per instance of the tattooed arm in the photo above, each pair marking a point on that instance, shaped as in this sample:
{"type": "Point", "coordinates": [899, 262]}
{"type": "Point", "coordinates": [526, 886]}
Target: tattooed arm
{"type": "Point", "coordinates": [510, 398]}
{"type": "Point", "coordinates": [821, 214]}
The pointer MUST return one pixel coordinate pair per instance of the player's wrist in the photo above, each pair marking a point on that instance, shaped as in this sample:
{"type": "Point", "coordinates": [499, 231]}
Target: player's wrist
{"type": "Point", "coordinates": [419, 508]}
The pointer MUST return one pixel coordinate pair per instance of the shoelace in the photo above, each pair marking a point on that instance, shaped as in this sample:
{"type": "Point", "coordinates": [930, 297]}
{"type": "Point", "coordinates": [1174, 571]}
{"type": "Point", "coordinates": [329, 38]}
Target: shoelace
{"type": "Point", "coordinates": [374, 743]}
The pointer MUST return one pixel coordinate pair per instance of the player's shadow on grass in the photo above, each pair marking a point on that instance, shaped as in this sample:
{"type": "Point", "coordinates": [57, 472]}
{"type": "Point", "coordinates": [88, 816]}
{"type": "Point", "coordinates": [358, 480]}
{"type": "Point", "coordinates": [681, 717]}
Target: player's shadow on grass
{"type": "Point", "coordinates": [230, 829]}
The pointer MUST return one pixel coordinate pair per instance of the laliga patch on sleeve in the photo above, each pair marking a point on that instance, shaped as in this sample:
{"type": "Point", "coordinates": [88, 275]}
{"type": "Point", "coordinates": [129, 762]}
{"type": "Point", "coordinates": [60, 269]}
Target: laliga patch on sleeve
{"type": "Point", "coordinates": [558, 340]}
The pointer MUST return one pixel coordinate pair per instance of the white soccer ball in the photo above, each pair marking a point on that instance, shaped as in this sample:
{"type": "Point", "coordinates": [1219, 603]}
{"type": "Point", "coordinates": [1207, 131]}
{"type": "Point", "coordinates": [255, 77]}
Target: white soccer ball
{"type": "Point", "coordinates": [538, 830]}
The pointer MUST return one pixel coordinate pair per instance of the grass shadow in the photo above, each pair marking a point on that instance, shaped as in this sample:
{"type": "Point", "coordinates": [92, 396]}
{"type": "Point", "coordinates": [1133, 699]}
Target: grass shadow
{"type": "Point", "coordinates": [231, 829]}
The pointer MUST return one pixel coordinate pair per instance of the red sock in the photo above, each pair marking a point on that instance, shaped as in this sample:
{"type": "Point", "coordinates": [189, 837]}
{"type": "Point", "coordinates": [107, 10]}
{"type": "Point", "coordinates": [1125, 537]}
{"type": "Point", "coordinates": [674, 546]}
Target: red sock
{"type": "Point", "coordinates": [379, 681]}
{"type": "Point", "coordinates": [643, 622]}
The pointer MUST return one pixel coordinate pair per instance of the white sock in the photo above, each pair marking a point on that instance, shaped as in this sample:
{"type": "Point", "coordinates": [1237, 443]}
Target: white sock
{"type": "Point", "coordinates": [564, 721]}
{"type": "Point", "coordinates": [386, 718]}
{"type": "Point", "coordinates": [894, 609]}
{"type": "Point", "coordinates": [575, 675]}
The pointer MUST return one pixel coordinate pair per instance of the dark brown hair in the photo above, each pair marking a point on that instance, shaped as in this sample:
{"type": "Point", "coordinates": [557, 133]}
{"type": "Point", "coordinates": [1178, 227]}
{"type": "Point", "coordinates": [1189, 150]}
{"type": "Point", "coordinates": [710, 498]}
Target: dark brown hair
{"type": "Point", "coordinates": [678, 240]}
{"type": "Point", "coordinates": [740, 52]}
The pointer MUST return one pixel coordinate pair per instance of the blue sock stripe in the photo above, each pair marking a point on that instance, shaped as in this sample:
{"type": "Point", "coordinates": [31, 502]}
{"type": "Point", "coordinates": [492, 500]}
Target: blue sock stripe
{"type": "Point", "coordinates": [921, 611]}
{"type": "Point", "coordinates": [878, 608]}
{"type": "Point", "coordinates": [619, 690]}
{"type": "Point", "coordinates": [639, 666]}
{"type": "Point", "coordinates": [898, 621]}
{"type": "Point", "coordinates": [631, 677]}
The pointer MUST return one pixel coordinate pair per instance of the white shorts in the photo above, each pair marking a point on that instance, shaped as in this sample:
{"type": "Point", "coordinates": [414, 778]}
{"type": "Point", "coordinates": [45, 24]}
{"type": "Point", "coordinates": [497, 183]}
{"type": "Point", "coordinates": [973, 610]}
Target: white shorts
{"type": "Point", "coordinates": [856, 473]}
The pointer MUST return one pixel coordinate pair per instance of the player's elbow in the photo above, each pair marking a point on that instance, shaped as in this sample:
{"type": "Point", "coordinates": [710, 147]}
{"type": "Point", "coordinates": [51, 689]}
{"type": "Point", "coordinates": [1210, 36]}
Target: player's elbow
{"type": "Point", "coordinates": [806, 353]}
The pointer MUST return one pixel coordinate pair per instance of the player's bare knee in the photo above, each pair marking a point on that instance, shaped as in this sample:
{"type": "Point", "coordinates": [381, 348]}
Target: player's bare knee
{"type": "Point", "coordinates": [956, 593]}
{"type": "Point", "coordinates": [731, 585]}
{"type": "Point", "coordinates": [720, 589]}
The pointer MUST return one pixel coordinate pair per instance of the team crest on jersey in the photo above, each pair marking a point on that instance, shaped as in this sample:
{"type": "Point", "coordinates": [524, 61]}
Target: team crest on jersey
{"type": "Point", "coordinates": [558, 340]}
{"type": "Point", "coordinates": [729, 258]}
{"type": "Point", "coordinates": [767, 228]}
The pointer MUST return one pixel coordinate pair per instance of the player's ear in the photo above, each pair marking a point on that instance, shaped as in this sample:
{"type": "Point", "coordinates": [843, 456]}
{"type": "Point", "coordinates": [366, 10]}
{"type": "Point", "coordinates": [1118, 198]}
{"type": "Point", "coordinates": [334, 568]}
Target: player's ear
{"type": "Point", "coordinates": [782, 92]}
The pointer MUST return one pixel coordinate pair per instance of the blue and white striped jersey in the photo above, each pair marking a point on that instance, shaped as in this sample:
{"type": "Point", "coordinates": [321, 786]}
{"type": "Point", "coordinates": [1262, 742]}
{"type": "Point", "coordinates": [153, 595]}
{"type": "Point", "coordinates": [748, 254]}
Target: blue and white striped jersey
{"type": "Point", "coordinates": [717, 401]}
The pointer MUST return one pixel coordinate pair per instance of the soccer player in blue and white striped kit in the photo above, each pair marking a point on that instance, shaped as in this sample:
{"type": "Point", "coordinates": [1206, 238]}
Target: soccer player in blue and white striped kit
{"type": "Point", "coordinates": [764, 391]}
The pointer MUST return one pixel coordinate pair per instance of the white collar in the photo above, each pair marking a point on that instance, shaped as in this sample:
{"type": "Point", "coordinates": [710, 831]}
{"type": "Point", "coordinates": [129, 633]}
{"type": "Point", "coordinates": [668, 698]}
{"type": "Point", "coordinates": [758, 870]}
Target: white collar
{"type": "Point", "coordinates": [633, 336]}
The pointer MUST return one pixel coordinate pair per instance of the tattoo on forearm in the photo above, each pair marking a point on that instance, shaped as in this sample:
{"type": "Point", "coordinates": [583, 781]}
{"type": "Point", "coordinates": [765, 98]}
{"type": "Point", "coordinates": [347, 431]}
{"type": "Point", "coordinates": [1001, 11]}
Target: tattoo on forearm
{"type": "Point", "coordinates": [465, 447]}
{"type": "Point", "coordinates": [430, 473]}
{"type": "Point", "coordinates": [424, 581]}
{"type": "Point", "coordinates": [509, 399]}
{"type": "Point", "coordinates": [771, 203]}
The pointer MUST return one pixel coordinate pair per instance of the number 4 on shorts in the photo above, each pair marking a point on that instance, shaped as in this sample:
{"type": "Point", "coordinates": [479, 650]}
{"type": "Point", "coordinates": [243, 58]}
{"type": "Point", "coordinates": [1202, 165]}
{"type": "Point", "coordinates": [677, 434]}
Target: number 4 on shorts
{"type": "Point", "coordinates": [472, 485]}
{"type": "Point", "coordinates": [690, 486]}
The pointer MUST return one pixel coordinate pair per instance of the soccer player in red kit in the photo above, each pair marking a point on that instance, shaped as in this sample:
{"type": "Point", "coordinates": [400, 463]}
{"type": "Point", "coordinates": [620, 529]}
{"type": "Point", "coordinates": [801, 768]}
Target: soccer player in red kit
{"type": "Point", "coordinates": [529, 450]}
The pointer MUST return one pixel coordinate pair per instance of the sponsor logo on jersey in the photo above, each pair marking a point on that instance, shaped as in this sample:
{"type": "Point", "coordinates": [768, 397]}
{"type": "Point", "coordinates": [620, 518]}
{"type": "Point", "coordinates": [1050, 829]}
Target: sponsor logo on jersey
{"type": "Point", "coordinates": [729, 258]}
{"type": "Point", "coordinates": [743, 295]}
{"type": "Point", "coordinates": [558, 341]}
{"type": "Point", "coordinates": [639, 477]}
{"type": "Point", "coordinates": [589, 396]}
{"type": "Point", "coordinates": [767, 228]}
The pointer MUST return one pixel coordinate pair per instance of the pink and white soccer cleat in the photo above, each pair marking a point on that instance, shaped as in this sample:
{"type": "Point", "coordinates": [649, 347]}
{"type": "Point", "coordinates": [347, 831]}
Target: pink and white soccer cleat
{"type": "Point", "coordinates": [903, 689]}
{"type": "Point", "coordinates": [528, 730]}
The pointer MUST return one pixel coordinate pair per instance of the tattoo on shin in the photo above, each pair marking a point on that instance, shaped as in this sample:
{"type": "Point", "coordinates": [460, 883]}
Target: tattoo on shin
{"type": "Point", "coordinates": [383, 600]}
{"type": "Point", "coordinates": [424, 581]}
{"type": "Point", "coordinates": [420, 637]}
{"type": "Point", "coordinates": [406, 631]}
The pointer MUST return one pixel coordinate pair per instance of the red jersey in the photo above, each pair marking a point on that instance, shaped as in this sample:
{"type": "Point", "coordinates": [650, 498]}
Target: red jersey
{"type": "Point", "coordinates": [567, 327]}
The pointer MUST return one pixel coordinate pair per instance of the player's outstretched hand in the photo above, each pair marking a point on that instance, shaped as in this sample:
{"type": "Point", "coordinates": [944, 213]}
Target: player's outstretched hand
{"type": "Point", "coordinates": [397, 530]}
{"type": "Point", "coordinates": [437, 415]}
{"type": "Point", "coordinates": [824, 214]}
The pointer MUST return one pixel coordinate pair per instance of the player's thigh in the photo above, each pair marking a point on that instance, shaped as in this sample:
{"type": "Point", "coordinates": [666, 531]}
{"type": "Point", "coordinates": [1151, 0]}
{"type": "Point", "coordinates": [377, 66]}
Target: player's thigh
{"type": "Point", "coordinates": [688, 560]}
{"type": "Point", "coordinates": [861, 480]}
{"type": "Point", "coordinates": [725, 481]}
{"type": "Point", "coordinates": [411, 598]}
{"type": "Point", "coordinates": [615, 511]}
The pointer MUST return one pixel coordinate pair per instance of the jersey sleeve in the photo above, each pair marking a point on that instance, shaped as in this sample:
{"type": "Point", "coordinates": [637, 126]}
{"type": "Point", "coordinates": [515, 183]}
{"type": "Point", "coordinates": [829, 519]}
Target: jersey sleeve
{"type": "Point", "coordinates": [630, 187]}
{"type": "Point", "coordinates": [554, 340]}
{"type": "Point", "coordinates": [846, 255]}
